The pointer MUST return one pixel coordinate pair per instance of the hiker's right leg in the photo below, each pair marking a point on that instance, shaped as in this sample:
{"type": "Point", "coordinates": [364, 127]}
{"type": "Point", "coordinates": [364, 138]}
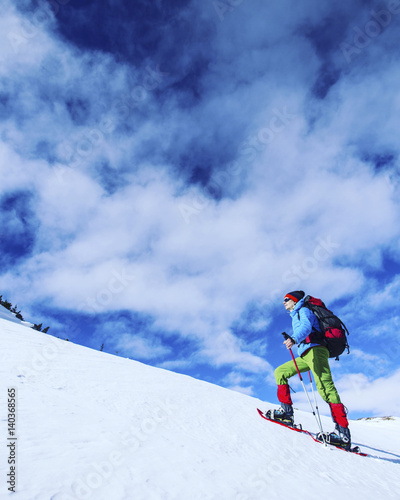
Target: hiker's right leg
{"type": "Point", "coordinates": [317, 359]}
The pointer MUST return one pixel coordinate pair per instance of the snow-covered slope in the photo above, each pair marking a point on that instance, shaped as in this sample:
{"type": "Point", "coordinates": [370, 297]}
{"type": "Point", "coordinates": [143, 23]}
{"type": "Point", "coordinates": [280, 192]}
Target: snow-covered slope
{"type": "Point", "coordinates": [95, 426]}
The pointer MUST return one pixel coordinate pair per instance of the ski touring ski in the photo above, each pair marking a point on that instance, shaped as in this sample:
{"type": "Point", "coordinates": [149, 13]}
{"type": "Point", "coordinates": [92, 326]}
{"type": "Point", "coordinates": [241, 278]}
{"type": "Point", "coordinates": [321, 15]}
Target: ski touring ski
{"type": "Point", "coordinates": [298, 428]}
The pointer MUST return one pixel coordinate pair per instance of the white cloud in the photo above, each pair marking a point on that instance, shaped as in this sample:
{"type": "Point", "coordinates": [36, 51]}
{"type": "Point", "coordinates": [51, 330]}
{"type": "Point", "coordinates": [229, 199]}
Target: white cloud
{"type": "Point", "coordinates": [223, 348]}
{"type": "Point", "coordinates": [179, 364]}
{"type": "Point", "coordinates": [375, 396]}
{"type": "Point", "coordinates": [382, 298]}
{"type": "Point", "coordinates": [242, 390]}
{"type": "Point", "coordinates": [239, 382]}
{"type": "Point", "coordinates": [137, 346]}
{"type": "Point", "coordinates": [303, 211]}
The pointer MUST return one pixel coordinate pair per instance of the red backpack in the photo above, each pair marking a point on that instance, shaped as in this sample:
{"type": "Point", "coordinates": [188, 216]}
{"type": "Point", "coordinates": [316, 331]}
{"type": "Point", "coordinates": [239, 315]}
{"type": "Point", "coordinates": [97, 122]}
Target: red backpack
{"type": "Point", "coordinates": [333, 332]}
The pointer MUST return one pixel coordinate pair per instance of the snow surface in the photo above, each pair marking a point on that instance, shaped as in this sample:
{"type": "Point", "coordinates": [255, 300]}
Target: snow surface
{"type": "Point", "coordinates": [95, 426]}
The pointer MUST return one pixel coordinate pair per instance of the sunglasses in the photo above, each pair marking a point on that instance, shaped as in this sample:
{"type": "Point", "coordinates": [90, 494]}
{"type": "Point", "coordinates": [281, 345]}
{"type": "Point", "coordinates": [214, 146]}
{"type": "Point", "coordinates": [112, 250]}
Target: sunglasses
{"type": "Point", "coordinates": [286, 299]}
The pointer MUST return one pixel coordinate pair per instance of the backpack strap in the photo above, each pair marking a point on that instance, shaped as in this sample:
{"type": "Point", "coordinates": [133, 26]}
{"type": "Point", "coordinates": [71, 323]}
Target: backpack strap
{"type": "Point", "coordinates": [316, 336]}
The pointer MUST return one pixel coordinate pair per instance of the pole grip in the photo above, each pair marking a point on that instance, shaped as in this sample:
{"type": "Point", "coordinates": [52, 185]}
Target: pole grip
{"type": "Point", "coordinates": [286, 336]}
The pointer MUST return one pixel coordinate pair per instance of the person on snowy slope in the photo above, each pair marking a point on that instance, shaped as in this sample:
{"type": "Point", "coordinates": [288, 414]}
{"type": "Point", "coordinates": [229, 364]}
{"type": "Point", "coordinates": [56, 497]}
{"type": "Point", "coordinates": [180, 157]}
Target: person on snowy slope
{"type": "Point", "coordinates": [314, 357]}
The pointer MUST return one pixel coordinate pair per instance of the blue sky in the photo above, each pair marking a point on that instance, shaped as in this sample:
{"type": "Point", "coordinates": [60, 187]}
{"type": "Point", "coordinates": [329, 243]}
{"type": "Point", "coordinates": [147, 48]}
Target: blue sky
{"type": "Point", "coordinates": [169, 170]}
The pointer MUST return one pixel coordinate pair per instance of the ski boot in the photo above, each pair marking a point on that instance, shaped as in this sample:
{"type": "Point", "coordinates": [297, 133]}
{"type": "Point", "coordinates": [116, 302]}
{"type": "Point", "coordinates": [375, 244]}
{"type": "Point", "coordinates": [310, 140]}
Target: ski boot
{"type": "Point", "coordinates": [284, 414]}
{"type": "Point", "coordinates": [340, 438]}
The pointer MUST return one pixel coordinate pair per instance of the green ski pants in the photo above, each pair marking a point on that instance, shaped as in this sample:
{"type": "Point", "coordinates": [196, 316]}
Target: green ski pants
{"type": "Point", "coordinates": [316, 360]}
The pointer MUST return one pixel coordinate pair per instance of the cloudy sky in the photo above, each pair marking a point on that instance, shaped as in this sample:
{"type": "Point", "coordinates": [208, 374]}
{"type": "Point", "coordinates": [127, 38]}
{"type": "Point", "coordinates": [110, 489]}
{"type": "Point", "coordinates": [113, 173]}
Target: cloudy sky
{"type": "Point", "coordinates": [169, 170]}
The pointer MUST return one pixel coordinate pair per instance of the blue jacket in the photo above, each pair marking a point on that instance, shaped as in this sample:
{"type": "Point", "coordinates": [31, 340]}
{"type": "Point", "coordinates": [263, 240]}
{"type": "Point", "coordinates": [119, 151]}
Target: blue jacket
{"type": "Point", "coordinates": [303, 327]}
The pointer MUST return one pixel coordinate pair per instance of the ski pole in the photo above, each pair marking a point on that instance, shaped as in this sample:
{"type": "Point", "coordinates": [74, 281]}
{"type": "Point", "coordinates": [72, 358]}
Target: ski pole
{"type": "Point", "coordinates": [315, 401]}
{"type": "Point", "coordinates": [286, 336]}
